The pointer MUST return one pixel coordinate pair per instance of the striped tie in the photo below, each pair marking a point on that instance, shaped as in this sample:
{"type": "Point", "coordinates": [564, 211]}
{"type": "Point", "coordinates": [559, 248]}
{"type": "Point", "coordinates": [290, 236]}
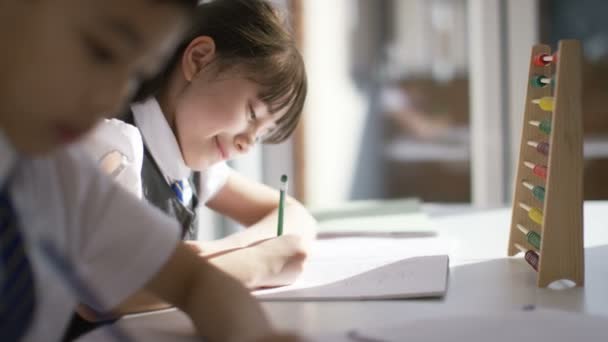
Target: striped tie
{"type": "Point", "coordinates": [182, 191]}
{"type": "Point", "coordinates": [17, 296]}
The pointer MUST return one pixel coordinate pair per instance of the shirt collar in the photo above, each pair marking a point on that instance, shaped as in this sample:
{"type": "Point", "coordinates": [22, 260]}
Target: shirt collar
{"type": "Point", "coordinates": [8, 158]}
{"type": "Point", "coordinates": [160, 140]}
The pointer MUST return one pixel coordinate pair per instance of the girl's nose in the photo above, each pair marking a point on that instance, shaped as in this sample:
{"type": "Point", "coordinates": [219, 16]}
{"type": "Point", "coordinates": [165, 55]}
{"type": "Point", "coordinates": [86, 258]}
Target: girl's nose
{"type": "Point", "coordinates": [243, 142]}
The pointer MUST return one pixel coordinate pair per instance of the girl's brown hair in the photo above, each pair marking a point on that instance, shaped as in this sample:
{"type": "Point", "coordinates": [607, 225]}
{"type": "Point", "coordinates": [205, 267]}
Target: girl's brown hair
{"type": "Point", "coordinates": [249, 35]}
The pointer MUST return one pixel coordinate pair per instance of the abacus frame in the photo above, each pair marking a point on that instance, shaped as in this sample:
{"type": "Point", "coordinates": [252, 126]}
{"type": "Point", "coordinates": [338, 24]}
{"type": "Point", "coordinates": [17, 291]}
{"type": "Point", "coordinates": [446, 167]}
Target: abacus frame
{"type": "Point", "coordinates": [561, 252]}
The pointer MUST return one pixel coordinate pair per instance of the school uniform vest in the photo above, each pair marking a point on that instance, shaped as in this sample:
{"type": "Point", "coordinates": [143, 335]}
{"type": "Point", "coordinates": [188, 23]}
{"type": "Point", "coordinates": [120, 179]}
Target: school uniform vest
{"type": "Point", "coordinates": [158, 192]}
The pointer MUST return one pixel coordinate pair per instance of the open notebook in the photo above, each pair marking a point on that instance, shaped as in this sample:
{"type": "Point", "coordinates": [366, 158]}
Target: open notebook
{"type": "Point", "coordinates": [414, 277]}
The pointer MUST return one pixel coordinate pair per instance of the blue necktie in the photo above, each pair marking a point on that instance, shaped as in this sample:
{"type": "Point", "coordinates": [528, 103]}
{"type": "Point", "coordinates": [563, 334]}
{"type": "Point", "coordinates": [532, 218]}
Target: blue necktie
{"type": "Point", "coordinates": [17, 295]}
{"type": "Point", "coordinates": [182, 191]}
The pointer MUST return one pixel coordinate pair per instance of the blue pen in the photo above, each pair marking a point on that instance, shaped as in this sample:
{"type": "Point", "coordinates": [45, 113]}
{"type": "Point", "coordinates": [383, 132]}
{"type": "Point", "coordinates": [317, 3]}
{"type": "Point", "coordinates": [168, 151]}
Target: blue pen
{"type": "Point", "coordinates": [78, 285]}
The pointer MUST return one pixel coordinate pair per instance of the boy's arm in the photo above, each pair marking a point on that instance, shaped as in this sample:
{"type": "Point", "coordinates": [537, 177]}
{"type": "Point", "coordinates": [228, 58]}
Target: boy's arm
{"type": "Point", "coordinates": [273, 262]}
{"type": "Point", "coordinates": [117, 148]}
{"type": "Point", "coordinates": [255, 206]}
{"type": "Point", "coordinates": [220, 307]}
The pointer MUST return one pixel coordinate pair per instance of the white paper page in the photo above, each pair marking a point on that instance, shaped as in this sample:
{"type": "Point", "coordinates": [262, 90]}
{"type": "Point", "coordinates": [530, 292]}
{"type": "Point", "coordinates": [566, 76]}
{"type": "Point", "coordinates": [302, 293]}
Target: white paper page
{"type": "Point", "coordinates": [348, 249]}
{"type": "Point", "coordinates": [538, 326]}
{"type": "Point", "coordinates": [424, 276]}
{"type": "Point", "coordinates": [335, 260]}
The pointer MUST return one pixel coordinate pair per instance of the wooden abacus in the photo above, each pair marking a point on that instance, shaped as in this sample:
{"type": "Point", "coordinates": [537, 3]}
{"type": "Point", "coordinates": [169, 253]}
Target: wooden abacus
{"type": "Point", "coordinates": [549, 173]}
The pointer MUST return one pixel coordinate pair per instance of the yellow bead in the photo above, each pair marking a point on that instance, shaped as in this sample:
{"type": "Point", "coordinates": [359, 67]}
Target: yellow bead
{"type": "Point", "coordinates": [536, 215]}
{"type": "Point", "coordinates": [545, 103]}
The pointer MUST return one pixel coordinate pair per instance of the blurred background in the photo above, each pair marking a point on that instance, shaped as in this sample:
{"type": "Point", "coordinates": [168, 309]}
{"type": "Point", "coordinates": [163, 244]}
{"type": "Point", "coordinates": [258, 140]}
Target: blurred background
{"type": "Point", "coordinates": [425, 98]}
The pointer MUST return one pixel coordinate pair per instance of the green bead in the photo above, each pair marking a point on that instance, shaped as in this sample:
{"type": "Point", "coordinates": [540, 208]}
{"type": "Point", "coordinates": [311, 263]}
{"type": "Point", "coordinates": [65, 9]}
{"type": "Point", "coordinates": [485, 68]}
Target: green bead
{"type": "Point", "coordinates": [534, 239]}
{"type": "Point", "coordinates": [536, 82]}
{"type": "Point", "coordinates": [539, 193]}
{"type": "Point", "coordinates": [545, 126]}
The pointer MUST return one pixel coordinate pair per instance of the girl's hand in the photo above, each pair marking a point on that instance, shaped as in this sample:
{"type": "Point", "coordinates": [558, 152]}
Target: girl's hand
{"type": "Point", "coordinates": [281, 260]}
{"type": "Point", "coordinates": [210, 249]}
{"type": "Point", "coordinates": [267, 263]}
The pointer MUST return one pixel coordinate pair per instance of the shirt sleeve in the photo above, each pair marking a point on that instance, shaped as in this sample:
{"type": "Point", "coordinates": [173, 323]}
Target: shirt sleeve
{"type": "Point", "coordinates": [112, 136]}
{"type": "Point", "coordinates": [212, 180]}
{"type": "Point", "coordinates": [122, 241]}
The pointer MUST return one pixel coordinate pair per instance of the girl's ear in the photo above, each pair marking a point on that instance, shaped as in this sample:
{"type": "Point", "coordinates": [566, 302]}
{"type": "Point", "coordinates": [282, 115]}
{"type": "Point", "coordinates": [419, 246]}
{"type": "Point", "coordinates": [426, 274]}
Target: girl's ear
{"type": "Point", "coordinates": [199, 53]}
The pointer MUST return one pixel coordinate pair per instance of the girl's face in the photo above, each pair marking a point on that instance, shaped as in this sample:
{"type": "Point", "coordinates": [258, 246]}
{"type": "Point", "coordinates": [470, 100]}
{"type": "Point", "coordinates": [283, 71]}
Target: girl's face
{"type": "Point", "coordinates": [69, 63]}
{"type": "Point", "coordinates": [219, 116]}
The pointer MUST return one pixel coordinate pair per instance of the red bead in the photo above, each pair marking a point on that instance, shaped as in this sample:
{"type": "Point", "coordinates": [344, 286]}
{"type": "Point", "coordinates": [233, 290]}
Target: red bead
{"type": "Point", "coordinates": [540, 171]}
{"type": "Point", "coordinates": [539, 60]}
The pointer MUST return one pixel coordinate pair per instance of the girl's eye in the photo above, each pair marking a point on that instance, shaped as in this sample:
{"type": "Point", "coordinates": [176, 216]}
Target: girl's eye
{"type": "Point", "coordinates": [252, 115]}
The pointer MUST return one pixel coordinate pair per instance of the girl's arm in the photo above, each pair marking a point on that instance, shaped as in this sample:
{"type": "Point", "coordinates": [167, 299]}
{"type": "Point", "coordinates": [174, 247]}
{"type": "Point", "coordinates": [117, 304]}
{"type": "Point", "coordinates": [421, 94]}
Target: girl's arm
{"type": "Point", "coordinates": [256, 256]}
{"type": "Point", "coordinates": [255, 206]}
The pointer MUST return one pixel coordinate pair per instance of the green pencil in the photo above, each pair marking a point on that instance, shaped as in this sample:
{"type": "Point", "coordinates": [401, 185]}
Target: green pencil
{"type": "Point", "coordinates": [282, 204]}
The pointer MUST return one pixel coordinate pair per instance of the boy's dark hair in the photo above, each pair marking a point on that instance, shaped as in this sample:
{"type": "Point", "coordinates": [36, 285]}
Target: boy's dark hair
{"type": "Point", "coordinates": [250, 35]}
{"type": "Point", "coordinates": [186, 3]}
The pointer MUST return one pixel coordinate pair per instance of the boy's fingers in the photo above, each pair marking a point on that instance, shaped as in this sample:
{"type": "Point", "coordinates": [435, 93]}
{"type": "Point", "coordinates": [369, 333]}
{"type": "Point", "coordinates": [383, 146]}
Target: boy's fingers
{"type": "Point", "coordinates": [282, 338]}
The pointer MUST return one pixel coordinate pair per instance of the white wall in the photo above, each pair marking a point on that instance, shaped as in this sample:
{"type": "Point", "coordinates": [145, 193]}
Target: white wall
{"type": "Point", "coordinates": [335, 111]}
{"type": "Point", "coordinates": [502, 33]}
{"type": "Point", "coordinates": [487, 93]}
{"type": "Point", "coordinates": [522, 26]}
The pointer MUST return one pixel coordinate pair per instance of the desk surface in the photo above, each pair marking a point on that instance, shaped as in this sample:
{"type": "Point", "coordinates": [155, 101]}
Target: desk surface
{"type": "Point", "coordinates": [482, 280]}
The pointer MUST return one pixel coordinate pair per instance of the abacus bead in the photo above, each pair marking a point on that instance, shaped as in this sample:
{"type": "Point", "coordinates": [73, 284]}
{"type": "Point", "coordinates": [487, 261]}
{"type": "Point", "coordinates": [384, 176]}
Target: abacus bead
{"type": "Point", "coordinates": [532, 259]}
{"type": "Point", "coordinates": [534, 239]}
{"type": "Point", "coordinates": [543, 148]}
{"type": "Point", "coordinates": [536, 215]}
{"type": "Point", "coordinates": [545, 126]}
{"type": "Point", "coordinates": [539, 60]}
{"type": "Point", "coordinates": [539, 193]}
{"type": "Point", "coordinates": [540, 171]}
{"type": "Point", "coordinates": [546, 104]}
{"type": "Point", "coordinates": [536, 81]}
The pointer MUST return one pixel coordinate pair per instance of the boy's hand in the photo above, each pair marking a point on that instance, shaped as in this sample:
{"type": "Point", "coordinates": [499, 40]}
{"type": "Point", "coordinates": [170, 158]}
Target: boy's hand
{"type": "Point", "coordinates": [219, 306]}
{"type": "Point", "coordinates": [281, 338]}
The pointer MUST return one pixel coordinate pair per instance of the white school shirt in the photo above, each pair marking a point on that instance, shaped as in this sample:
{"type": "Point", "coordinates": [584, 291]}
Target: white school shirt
{"type": "Point", "coordinates": [115, 135]}
{"type": "Point", "coordinates": [115, 241]}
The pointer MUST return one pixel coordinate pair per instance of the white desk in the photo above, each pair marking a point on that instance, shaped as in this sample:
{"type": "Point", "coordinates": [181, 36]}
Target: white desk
{"type": "Point", "coordinates": [482, 280]}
